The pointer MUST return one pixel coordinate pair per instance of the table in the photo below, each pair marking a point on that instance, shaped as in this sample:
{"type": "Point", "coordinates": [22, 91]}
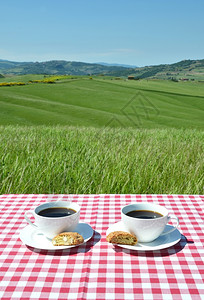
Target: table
{"type": "Point", "coordinates": [97, 269]}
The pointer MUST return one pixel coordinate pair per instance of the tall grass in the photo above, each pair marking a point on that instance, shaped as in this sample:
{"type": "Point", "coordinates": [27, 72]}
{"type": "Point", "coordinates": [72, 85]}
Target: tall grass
{"type": "Point", "coordinates": [60, 159]}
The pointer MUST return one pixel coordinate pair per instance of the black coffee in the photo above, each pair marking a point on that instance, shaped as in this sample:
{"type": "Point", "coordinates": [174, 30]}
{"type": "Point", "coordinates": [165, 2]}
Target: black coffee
{"type": "Point", "coordinates": [144, 214]}
{"type": "Point", "coordinates": [56, 212]}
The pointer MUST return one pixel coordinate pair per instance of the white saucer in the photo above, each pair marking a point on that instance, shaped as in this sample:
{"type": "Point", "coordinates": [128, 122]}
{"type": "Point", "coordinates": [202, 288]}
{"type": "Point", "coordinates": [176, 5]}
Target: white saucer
{"type": "Point", "coordinates": [32, 237]}
{"type": "Point", "coordinates": [161, 242]}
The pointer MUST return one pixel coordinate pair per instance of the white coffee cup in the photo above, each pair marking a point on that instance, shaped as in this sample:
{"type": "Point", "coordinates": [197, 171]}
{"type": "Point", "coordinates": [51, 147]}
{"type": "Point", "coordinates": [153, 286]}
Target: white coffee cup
{"type": "Point", "coordinates": [50, 226]}
{"type": "Point", "coordinates": [147, 230]}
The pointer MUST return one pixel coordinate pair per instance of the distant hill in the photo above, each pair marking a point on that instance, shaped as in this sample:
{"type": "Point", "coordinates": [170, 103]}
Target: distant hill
{"type": "Point", "coordinates": [185, 69]}
{"type": "Point", "coordinates": [61, 67]}
{"type": "Point", "coordinates": [117, 65]}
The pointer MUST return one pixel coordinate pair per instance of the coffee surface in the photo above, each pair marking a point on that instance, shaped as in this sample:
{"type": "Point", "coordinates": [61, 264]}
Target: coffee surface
{"type": "Point", "coordinates": [56, 212]}
{"type": "Point", "coordinates": [144, 214]}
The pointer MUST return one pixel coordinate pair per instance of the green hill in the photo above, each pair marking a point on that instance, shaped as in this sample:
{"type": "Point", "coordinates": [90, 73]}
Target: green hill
{"type": "Point", "coordinates": [61, 67]}
{"type": "Point", "coordinates": [99, 102]}
{"type": "Point", "coordinates": [186, 69]}
{"type": "Point", "coordinates": [101, 135]}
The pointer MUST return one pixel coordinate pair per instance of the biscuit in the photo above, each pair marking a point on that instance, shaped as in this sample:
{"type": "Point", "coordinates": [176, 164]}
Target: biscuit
{"type": "Point", "coordinates": [67, 239]}
{"type": "Point", "coordinates": [121, 237]}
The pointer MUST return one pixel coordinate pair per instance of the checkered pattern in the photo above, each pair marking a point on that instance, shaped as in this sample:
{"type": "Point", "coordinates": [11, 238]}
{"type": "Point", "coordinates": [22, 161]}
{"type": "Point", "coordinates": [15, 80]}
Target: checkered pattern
{"type": "Point", "coordinates": [97, 270]}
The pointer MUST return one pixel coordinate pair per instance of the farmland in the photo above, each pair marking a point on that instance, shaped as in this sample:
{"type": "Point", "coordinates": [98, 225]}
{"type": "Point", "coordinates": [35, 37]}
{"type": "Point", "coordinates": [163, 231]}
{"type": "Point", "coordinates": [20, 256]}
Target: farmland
{"type": "Point", "coordinates": [80, 101]}
{"type": "Point", "coordinates": [101, 135]}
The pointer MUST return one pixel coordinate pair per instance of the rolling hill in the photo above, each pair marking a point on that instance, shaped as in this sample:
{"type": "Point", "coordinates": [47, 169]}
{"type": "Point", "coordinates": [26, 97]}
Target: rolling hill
{"type": "Point", "coordinates": [186, 69]}
{"type": "Point", "coordinates": [101, 135]}
{"type": "Point", "coordinates": [100, 101]}
{"type": "Point", "coordinates": [60, 67]}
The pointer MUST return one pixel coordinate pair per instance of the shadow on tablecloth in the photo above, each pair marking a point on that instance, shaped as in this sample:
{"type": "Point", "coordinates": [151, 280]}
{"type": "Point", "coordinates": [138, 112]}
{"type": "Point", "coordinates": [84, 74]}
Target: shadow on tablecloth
{"type": "Point", "coordinates": [84, 248]}
{"type": "Point", "coordinates": [163, 252]}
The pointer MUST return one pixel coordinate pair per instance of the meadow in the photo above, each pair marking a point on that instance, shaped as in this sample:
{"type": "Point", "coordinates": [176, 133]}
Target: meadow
{"type": "Point", "coordinates": [97, 102]}
{"type": "Point", "coordinates": [80, 160]}
{"type": "Point", "coordinates": [101, 135]}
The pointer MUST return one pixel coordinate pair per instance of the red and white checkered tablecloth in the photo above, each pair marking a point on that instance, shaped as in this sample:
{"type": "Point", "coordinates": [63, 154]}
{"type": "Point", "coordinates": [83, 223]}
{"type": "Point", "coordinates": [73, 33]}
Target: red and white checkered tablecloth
{"type": "Point", "coordinates": [97, 269]}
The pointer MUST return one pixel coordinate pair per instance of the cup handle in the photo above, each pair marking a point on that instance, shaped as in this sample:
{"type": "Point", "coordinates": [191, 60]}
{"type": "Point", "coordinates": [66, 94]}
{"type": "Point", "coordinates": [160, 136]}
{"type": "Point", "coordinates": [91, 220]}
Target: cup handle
{"type": "Point", "coordinates": [27, 219]}
{"type": "Point", "coordinates": [175, 227]}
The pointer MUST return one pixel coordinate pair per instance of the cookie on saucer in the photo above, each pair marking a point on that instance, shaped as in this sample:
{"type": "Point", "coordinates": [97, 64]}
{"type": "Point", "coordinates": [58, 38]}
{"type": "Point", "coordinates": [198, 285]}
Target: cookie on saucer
{"type": "Point", "coordinates": [121, 237]}
{"type": "Point", "coordinates": [68, 239]}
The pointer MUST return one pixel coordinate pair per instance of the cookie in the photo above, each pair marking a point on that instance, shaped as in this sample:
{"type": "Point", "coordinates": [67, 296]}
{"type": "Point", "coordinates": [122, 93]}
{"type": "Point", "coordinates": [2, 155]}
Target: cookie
{"type": "Point", "coordinates": [121, 237]}
{"type": "Point", "coordinates": [67, 239]}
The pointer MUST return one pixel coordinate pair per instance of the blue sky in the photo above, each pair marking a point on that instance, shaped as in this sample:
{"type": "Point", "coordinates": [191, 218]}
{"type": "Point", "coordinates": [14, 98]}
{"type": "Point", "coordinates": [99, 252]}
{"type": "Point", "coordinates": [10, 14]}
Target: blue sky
{"type": "Point", "coordinates": [135, 32]}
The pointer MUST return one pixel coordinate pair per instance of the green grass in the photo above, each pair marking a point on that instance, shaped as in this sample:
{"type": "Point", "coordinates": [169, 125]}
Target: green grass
{"type": "Point", "coordinates": [89, 160]}
{"type": "Point", "coordinates": [102, 136]}
{"type": "Point", "coordinates": [98, 102]}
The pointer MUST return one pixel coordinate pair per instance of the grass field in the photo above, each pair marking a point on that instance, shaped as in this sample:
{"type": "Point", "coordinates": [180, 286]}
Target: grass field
{"type": "Point", "coordinates": [88, 160]}
{"type": "Point", "coordinates": [98, 102]}
{"type": "Point", "coordinates": [100, 135]}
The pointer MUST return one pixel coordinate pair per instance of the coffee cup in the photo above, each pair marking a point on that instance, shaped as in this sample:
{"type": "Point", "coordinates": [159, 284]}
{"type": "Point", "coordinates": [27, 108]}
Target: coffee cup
{"type": "Point", "coordinates": [147, 221]}
{"type": "Point", "coordinates": [52, 218]}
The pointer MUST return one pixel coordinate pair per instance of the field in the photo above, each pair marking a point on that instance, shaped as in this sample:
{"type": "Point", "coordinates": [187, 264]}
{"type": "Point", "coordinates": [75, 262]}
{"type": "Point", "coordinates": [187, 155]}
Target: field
{"type": "Point", "coordinates": [97, 102]}
{"type": "Point", "coordinates": [100, 135]}
{"type": "Point", "coordinates": [80, 160]}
